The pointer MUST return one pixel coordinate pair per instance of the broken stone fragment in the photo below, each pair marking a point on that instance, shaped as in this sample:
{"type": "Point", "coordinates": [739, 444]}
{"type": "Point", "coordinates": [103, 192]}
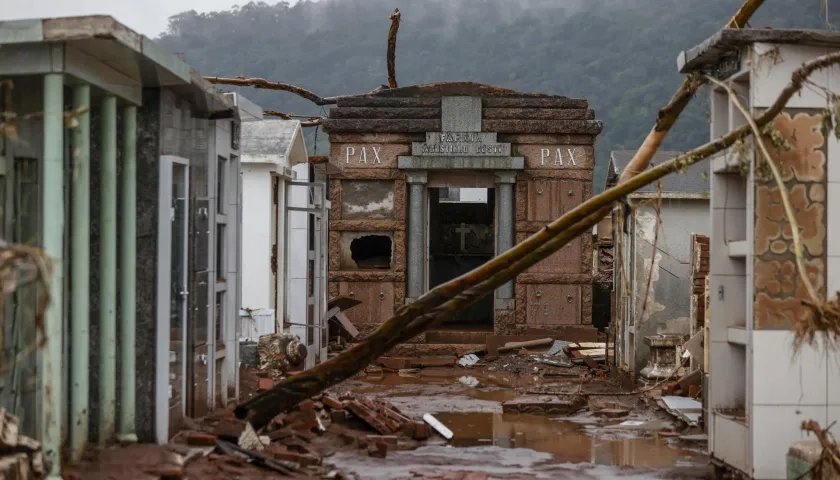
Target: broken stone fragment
{"type": "Point", "coordinates": [378, 449]}
{"type": "Point", "coordinates": [612, 413]}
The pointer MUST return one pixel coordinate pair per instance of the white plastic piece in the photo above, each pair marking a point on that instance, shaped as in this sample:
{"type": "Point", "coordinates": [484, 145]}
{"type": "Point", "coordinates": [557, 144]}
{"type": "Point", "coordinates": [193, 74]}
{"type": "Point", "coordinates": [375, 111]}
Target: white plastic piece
{"type": "Point", "coordinates": [439, 427]}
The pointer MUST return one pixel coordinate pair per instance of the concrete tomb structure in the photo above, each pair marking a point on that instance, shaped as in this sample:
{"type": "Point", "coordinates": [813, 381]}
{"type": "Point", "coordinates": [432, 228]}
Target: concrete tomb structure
{"type": "Point", "coordinates": [395, 233]}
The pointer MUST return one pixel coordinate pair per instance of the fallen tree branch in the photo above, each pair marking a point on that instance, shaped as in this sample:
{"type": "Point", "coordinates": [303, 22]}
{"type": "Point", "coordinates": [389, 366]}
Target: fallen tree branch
{"type": "Point", "coordinates": [392, 47]}
{"type": "Point", "coordinates": [438, 304]}
{"type": "Point", "coordinates": [309, 122]}
{"type": "Point", "coordinates": [669, 114]}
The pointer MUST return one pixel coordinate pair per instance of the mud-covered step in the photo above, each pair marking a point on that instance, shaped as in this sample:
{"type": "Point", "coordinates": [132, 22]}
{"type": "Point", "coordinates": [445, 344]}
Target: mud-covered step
{"type": "Point", "coordinates": [457, 337]}
{"type": "Point", "coordinates": [544, 405]}
{"type": "Point", "coordinates": [428, 350]}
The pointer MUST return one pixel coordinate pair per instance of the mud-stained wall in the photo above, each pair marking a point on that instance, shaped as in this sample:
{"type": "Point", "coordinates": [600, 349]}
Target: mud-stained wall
{"type": "Point", "coordinates": [662, 279]}
{"type": "Point", "coordinates": [778, 287]}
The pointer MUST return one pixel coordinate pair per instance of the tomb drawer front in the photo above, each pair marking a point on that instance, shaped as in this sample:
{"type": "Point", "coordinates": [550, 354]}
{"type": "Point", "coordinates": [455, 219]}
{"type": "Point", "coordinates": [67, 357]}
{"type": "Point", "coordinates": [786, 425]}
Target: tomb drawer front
{"type": "Point", "coordinates": [550, 199]}
{"type": "Point", "coordinates": [553, 304]}
{"type": "Point", "coordinates": [565, 260]}
{"type": "Point", "coordinates": [377, 301]}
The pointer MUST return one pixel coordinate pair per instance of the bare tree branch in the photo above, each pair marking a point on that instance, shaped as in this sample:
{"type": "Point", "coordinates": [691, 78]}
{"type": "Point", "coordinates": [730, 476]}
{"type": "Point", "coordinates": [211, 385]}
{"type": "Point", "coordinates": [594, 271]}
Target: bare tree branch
{"type": "Point", "coordinates": [311, 121]}
{"type": "Point", "coordinates": [265, 84]}
{"type": "Point", "coordinates": [392, 47]}
{"type": "Point", "coordinates": [443, 301]}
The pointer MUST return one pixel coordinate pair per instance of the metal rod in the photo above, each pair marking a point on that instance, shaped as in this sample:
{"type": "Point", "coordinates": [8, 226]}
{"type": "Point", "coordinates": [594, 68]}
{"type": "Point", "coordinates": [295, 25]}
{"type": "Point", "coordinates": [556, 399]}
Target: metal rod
{"type": "Point", "coordinates": [52, 215]}
{"type": "Point", "coordinates": [305, 325]}
{"type": "Point", "coordinates": [302, 209]}
{"type": "Point", "coordinates": [128, 276]}
{"type": "Point", "coordinates": [308, 184]}
{"type": "Point", "coordinates": [80, 277]}
{"type": "Point", "coordinates": [108, 272]}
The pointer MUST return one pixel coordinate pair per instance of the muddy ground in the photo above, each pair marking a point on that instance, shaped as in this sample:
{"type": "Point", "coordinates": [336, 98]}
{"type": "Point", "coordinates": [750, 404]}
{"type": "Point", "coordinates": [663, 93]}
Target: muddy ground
{"type": "Point", "coordinates": [610, 434]}
{"type": "Point", "coordinates": [584, 445]}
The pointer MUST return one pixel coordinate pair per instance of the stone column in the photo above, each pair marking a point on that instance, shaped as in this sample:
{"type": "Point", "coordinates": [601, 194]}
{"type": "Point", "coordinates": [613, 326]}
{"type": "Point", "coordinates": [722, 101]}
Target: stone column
{"type": "Point", "coordinates": [416, 235]}
{"type": "Point", "coordinates": [505, 230]}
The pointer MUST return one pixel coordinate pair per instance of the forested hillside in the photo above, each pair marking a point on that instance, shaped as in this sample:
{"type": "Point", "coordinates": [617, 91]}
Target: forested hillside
{"type": "Point", "coordinates": [619, 54]}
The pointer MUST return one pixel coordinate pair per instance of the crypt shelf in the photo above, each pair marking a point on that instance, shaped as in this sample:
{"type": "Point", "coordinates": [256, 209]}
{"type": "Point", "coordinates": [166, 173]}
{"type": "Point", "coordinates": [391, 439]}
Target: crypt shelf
{"type": "Point", "coordinates": [395, 154]}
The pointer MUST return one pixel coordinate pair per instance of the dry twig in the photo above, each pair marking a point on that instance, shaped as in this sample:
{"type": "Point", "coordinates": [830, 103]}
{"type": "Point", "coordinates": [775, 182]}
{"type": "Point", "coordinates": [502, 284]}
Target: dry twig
{"type": "Point", "coordinates": [654, 249]}
{"type": "Point", "coordinates": [828, 465]}
{"type": "Point", "coordinates": [24, 266]}
{"type": "Point", "coordinates": [392, 47]}
{"type": "Point", "coordinates": [311, 121]}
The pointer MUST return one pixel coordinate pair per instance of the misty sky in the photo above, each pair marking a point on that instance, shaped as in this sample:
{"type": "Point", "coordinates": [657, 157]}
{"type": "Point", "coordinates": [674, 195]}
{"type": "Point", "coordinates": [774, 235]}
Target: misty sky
{"type": "Point", "coordinates": [148, 17]}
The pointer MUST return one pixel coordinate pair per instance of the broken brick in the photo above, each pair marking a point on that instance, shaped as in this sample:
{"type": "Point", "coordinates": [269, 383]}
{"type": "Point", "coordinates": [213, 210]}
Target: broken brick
{"type": "Point", "coordinates": [280, 434]}
{"type": "Point", "coordinates": [421, 431]}
{"type": "Point", "coordinates": [347, 436]}
{"type": "Point", "coordinates": [332, 403]}
{"type": "Point", "coordinates": [229, 429]}
{"type": "Point", "coordinates": [303, 459]}
{"type": "Point", "coordinates": [265, 384]}
{"type": "Point", "coordinates": [378, 449]}
{"type": "Point", "coordinates": [306, 406]}
{"type": "Point", "coordinates": [388, 439]}
{"type": "Point", "coordinates": [670, 389]}
{"type": "Point", "coordinates": [305, 435]}
{"type": "Point", "coordinates": [395, 363]}
{"type": "Point", "coordinates": [201, 440]}
{"type": "Point", "coordinates": [368, 416]}
{"type": "Point", "coordinates": [338, 416]}
{"type": "Point", "coordinates": [668, 434]}
{"type": "Point", "coordinates": [694, 391]}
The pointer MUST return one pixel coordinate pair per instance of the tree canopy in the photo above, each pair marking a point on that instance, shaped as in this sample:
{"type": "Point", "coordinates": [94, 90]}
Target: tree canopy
{"type": "Point", "coordinates": [620, 55]}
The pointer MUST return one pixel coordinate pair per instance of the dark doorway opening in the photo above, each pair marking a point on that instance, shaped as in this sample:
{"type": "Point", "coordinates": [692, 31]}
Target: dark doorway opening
{"type": "Point", "coordinates": [462, 237]}
{"type": "Point", "coordinates": [371, 252]}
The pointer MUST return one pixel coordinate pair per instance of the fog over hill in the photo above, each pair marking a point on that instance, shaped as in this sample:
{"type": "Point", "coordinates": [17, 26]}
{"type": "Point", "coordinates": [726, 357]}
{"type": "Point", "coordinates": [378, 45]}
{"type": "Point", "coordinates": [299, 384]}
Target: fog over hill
{"type": "Point", "coordinates": [619, 54]}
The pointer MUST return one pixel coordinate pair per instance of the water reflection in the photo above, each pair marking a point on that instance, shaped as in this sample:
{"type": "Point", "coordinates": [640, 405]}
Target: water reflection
{"type": "Point", "coordinates": [564, 440]}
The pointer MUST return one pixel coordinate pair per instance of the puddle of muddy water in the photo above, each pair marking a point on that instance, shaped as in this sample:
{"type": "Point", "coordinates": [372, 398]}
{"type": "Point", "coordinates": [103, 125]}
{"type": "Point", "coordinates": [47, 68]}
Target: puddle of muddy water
{"type": "Point", "coordinates": [564, 440]}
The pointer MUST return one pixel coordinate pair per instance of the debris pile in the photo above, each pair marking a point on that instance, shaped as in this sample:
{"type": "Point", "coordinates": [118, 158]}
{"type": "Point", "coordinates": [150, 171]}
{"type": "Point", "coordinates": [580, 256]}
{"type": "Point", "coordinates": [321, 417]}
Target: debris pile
{"type": "Point", "coordinates": [296, 442]}
{"type": "Point", "coordinates": [21, 457]}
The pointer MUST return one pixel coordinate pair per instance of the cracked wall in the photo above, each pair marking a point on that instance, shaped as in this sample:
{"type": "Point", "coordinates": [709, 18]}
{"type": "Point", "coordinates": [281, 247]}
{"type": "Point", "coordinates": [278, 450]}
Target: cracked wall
{"type": "Point", "coordinates": [668, 306]}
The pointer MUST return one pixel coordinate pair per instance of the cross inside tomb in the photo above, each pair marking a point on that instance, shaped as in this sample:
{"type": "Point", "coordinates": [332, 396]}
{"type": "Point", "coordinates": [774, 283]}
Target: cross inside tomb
{"type": "Point", "coordinates": [463, 230]}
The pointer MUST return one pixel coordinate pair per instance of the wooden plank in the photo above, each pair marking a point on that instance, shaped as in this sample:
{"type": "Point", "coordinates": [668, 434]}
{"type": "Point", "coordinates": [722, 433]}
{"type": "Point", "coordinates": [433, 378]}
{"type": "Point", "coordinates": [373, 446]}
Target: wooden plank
{"type": "Point", "coordinates": [342, 302]}
{"type": "Point", "coordinates": [346, 323]}
{"type": "Point", "coordinates": [539, 342]}
{"type": "Point", "coordinates": [575, 333]}
{"type": "Point", "coordinates": [594, 352]}
{"type": "Point", "coordinates": [494, 342]}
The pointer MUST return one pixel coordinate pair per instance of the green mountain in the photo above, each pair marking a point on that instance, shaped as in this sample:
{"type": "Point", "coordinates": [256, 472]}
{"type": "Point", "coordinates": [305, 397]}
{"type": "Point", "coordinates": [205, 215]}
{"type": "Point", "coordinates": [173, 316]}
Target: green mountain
{"type": "Point", "coordinates": [619, 54]}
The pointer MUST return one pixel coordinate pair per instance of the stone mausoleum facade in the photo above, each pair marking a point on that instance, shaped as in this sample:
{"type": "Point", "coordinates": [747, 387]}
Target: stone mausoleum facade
{"type": "Point", "coordinates": [394, 235]}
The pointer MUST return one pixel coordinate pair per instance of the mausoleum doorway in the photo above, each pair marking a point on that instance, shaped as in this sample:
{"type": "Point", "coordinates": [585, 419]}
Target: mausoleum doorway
{"type": "Point", "coordinates": [461, 237]}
